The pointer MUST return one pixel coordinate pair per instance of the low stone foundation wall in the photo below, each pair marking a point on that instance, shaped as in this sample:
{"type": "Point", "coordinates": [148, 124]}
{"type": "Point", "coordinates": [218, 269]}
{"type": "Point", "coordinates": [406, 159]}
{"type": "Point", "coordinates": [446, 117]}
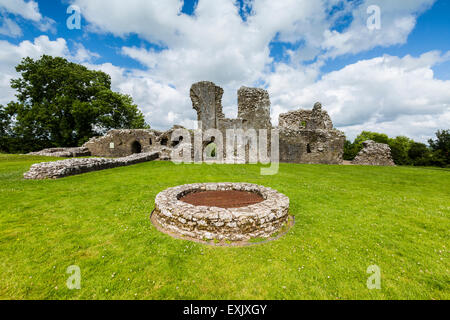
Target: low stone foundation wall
{"type": "Point", "coordinates": [261, 220]}
{"type": "Point", "coordinates": [70, 167]}
{"type": "Point", "coordinates": [63, 152]}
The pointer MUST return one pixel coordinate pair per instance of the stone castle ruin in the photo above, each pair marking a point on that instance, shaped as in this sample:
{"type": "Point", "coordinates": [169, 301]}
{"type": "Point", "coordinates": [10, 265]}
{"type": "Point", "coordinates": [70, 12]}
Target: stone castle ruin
{"type": "Point", "coordinates": [303, 136]}
{"type": "Point", "coordinates": [306, 136]}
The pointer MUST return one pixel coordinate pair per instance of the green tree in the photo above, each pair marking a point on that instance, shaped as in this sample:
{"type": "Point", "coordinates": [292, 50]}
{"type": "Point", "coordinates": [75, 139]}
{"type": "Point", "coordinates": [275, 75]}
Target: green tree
{"type": "Point", "coordinates": [399, 149]}
{"type": "Point", "coordinates": [441, 146]}
{"type": "Point", "coordinates": [417, 151]}
{"type": "Point", "coordinates": [350, 150]}
{"type": "Point", "coordinates": [63, 104]}
{"type": "Point", "coordinates": [419, 154]}
{"type": "Point", "coordinates": [367, 135]}
{"type": "Point", "coordinates": [5, 124]}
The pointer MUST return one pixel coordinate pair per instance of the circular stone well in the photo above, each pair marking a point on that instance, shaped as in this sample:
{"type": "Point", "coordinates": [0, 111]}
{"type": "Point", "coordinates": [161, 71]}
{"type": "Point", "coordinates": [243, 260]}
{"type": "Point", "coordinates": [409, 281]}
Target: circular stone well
{"type": "Point", "coordinates": [235, 212]}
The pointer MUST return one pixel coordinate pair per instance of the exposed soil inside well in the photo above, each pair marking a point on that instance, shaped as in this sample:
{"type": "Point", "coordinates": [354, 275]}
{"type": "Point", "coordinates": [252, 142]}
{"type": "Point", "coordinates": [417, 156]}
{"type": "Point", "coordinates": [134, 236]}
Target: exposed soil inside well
{"type": "Point", "coordinates": [223, 199]}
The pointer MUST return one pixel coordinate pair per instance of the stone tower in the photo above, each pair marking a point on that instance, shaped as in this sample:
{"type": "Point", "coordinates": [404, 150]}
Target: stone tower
{"type": "Point", "coordinates": [207, 101]}
{"type": "Point", "coordinates": [254, 107]}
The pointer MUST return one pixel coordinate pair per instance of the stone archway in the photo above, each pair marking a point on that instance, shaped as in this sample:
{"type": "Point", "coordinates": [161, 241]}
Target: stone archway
{"type": "Point", "coordinates": [177, 142]}
{"type": "Point", "coordinates": [210, 149]}
{"type": "Point", "coordinates": [136, 147]}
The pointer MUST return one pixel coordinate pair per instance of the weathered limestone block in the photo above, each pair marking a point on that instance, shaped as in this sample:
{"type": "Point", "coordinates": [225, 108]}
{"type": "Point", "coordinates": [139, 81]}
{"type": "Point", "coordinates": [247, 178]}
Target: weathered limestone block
{"type": "Point", "coordinates": [207, 101]}
{"type": "Point", "coordinates": [374, 154]}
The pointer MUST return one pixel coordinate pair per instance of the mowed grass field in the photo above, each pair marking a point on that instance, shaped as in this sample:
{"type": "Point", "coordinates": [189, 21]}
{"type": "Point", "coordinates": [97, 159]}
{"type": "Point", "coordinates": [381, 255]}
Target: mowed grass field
{"type": "Point", "coordinates": [347, 218]}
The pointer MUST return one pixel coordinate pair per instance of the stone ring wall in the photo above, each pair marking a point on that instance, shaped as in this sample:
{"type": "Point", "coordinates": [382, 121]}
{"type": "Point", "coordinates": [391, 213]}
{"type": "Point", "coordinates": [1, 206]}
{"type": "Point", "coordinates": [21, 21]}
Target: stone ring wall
{"type": "Point", "coordinates": [261, 220]}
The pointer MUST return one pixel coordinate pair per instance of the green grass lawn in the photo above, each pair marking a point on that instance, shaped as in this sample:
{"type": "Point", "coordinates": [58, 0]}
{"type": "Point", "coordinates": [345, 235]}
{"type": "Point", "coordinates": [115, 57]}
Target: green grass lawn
{"type": "Point", "coordinates": [347, 218]}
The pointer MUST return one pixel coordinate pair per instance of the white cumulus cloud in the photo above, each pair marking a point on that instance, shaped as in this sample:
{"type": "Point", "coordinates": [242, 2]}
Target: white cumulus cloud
{"type": "Point", "coordinates": [387, 94]}
{"type": "Point", "coordinates": [28, 10]}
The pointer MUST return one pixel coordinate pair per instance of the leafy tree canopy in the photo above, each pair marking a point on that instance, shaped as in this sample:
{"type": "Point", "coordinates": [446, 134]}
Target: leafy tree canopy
{"type": "Point", "coordinates": [417, 151]}
{"type": "Point", "coordinates": [367, 135]}
{"type": "Point", "coordinates": [62, 104]}
{"type": "Point", "coordinates": [441, 146]}
{"type": "Point", "coordinates": [400, 147]}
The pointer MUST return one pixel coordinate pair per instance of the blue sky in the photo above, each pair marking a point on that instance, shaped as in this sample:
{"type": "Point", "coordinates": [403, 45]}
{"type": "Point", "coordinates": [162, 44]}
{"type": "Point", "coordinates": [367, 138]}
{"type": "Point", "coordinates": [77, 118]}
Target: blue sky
{"type": "Point", "coordinates": [300, 51]}
{"type": "Point", "coordinates": [432, 32]}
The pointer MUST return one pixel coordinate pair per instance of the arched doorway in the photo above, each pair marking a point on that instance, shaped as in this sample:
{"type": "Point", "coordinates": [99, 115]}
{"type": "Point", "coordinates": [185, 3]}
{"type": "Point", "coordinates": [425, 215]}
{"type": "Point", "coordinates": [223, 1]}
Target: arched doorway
{"type": "Point", "coordinates": [136, 147]}
{"type": "Point", "coordinates": [210, 149]}
{"type": "Point", "coordinates": [177, 142]}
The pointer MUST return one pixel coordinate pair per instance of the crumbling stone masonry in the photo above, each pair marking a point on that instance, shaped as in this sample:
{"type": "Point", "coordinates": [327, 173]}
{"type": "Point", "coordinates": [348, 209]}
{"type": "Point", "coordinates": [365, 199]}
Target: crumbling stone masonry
{"type": "Point", "coordinates": [254, 108]}
{"type": "Point", "coordinates": [124, 142]}
{"type": "Point", "coordinates": [70, 167]}
{"type": "Point", "coordinates": [253, 111]}
{"type": "Point", "coordinates": [374, 154]}
{"type": "Point", "coordinates": [306, 119]}
{"type": "Point", "coordinates": [306, 136]}
{"type": "Point", "coordinates": [207, 101]}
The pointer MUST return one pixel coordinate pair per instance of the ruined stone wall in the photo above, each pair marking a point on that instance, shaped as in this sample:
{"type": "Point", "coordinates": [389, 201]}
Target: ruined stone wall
{"type": "Point", "coordinates": [207, 101]}
{"type": "Point", "coordinates": [374, 154]}
{"type": "Point", "coordinates": [253, 110]}
{"type": "Point", "coordinates": [226, 124]}
{"type": "Point", "coordinates": [311, 146]}
{"type": "Point", "coordinates": [254, 107]}
{"type": "Point", "coordinates": [122, 143]}
{"type": "Point", "coordinates": [308, 136]}
{"type": "Point", "coordinates": [306, 119]}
